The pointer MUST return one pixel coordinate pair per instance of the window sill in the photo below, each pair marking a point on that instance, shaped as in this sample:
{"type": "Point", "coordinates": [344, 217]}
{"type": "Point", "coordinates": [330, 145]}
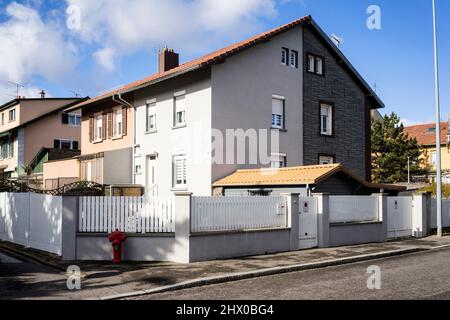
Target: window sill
{"type": "Point", "coordinates": [327, 135]}
{"type": "Point", "coordinates": [279, 129]}
{"type": "Point", "coordinates": [97, 141]}
{"type": "Point", "coordinates": [317, 74]}
{"type": "Point", "coordinates": [180, 189]}
{"type": "Point", "coordinates": [179, 126]}
{"type": "Point", "coordinates": [151, 131]}
{"type": "Point", "coordinates": [117, 138]}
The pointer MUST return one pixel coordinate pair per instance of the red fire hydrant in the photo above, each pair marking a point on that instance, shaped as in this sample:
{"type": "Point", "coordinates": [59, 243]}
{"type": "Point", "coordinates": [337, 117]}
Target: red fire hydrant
{"type": "Point", "coordinates": [116, 238]}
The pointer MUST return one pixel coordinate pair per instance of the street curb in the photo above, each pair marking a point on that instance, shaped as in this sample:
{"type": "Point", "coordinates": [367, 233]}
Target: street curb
{"type": "Point", "coordinates": [264, 272]}
{"type": "Point", "coordinates": [25, 255]}
{"type": "Point", "coordinates": [440, 247]}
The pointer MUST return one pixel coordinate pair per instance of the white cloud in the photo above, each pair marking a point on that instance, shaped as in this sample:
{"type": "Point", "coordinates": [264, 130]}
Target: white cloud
{"type": "Point", "coordinates": [31, 46]}
{"type": "Point", "coordinates": [105, 57]}
{"type": "Point", "coordinates": [189, 26]}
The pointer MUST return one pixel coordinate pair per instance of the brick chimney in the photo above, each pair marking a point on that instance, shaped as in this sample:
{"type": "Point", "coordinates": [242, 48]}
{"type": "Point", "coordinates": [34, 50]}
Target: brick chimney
{"type": "Point", "coordinates": [167, 60]}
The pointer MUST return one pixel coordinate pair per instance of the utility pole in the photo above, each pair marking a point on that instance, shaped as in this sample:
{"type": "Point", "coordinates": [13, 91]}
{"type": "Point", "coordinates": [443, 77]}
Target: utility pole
{"type": "Point", "coordinates": [438, 126]}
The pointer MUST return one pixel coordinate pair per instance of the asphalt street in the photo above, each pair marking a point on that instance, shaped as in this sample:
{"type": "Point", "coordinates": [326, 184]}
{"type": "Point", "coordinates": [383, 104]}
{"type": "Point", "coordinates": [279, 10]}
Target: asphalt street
{"type": "Point", "coordinates": [23, 279]}
{"type": "Point", "coordinates": [423, 275]}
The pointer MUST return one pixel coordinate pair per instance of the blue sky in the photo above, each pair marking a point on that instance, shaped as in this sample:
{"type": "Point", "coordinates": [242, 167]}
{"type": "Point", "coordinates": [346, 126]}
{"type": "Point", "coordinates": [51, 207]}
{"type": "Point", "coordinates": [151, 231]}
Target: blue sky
{"type": "Point", "coordinates": [109, 49]}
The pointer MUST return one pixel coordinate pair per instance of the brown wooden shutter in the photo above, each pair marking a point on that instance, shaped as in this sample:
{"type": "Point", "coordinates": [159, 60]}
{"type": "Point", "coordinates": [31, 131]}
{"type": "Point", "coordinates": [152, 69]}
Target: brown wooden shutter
{"type": "Point", "coordinates": [104, 123]}
{"type": "Point", "coordinates": [124, 121]}
{"type": "Point", "coordinates": [110, 124]}
{"type": "Point", "coordinates": [91, 128]}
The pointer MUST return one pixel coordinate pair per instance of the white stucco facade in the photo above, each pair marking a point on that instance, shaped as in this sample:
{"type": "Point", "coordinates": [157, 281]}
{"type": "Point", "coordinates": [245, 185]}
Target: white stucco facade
{"type": "Point", "coordinates": [156, 149]}
{"type": "Point", "coordinates": [235, 94]}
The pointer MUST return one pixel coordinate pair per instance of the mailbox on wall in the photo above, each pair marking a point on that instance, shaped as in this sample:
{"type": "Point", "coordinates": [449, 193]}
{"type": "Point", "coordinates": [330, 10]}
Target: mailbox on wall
{"type": "Point", "coordinates": [304, 208]}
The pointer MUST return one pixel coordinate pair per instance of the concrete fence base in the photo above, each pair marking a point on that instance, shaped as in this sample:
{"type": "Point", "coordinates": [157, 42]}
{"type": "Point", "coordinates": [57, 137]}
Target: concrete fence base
{"type": "Point", "coordinates": [183, 246]}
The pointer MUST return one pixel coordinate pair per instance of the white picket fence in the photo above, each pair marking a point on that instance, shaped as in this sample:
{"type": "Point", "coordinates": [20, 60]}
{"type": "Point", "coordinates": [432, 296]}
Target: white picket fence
{"type": "Point", "coordinates": [346, 209]}
{"type": "Point", "coordinates": [127, 214]}
{"type": "Point", "coordinates": [211, 214]}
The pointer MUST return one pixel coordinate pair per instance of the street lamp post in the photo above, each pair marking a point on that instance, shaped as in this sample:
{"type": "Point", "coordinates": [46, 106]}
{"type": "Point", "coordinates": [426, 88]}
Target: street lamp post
{"type": "Point", "coordinates": [409, 171]}
{"type": "Point", "coordinates": [438, 127]}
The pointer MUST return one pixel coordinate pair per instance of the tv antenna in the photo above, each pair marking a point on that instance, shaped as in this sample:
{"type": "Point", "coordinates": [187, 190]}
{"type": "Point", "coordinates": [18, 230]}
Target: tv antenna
{"type": "Point", "coordinates": [338, 41]}
{"type": "Point", "coordinates": [76, 94]}
{"type": "Point", "coordinates": [18, 86]}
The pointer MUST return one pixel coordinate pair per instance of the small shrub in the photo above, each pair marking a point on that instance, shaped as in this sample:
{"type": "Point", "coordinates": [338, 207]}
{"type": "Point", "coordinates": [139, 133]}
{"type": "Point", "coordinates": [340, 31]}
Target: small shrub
{"type": "Point", "coordinates": [432, 189]}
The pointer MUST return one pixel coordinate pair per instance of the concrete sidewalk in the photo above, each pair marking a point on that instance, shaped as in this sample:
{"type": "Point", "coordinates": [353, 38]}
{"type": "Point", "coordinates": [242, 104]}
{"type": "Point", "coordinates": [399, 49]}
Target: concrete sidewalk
{"type": "Point", "coordinates": [103, 280]}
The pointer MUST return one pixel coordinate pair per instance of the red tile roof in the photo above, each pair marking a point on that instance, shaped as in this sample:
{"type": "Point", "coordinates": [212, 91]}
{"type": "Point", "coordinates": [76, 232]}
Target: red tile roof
{"type": "Point", "coordinates": [203, 61]}
{"type": "Point", "coordinates": [425, 134]}
{"type": "Point", "coordinates": [226, 52]}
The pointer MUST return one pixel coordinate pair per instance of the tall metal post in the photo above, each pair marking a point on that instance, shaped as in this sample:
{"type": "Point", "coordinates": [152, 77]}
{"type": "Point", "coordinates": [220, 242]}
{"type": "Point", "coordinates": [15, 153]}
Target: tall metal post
{"type": "Point", "coordinates": [438, 127]}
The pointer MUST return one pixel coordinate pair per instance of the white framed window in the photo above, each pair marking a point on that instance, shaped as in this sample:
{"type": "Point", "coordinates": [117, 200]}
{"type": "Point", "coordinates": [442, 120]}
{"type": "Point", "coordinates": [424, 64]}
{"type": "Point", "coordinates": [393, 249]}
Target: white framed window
{"type": "Point", "coordinates": [433, 158]}
{"type": "Point", "coordinates": [74, 120]}
{"type": "Point", "coordinates": [326, 160]}
{"type": "Point", "coordinates": [278, 110]}
{"type": "Point", "coordinates": [12, 115]}
{"type": "Point", "coordinates": [319, 65]}
{"type": "Point", "coordinates": [326, 119]}
{"type": "Point", "coordinates": [7, 150]}
{"type": "Point", "coordinates": [66, 144]}
{"type": "Point", "coordinates": [285, 56]}
{"type": "Point", "coordinates": [315, 64]}
{"type": "Point", "coordinates": [98, 130]}
{"type": "Point", "coordinates": [151, 117]}
{"type": "Point", "coordinates": [179, 171]}
{"type": "Point", "coordinates": [117, 122]}
{"type": "Point", "coordinates": [293, 59]}
{"type": "Point", "coordinates": [278, 161]}
{"type": "Point", "coordinates": [311, 64]}
{"type": "Point", "coordinates": [180, 110]}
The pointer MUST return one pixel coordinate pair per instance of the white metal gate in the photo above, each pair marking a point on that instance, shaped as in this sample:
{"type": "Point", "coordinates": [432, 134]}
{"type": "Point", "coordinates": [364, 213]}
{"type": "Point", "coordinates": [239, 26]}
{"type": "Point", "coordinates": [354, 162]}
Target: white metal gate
{"type": "Point", "coordinates": [399, 217]}
{"type": "Point", "coordinates": [308, 223]}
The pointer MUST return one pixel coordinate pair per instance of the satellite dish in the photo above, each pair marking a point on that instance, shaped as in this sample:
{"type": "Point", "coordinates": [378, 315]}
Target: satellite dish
{"type": "Point", "coordinates": [338, 41]}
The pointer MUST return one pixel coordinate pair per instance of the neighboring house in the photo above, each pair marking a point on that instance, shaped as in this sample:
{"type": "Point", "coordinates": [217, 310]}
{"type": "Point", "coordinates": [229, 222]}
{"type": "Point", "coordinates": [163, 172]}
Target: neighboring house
{"type": "Point", "coordinates": [333, 179]}
{"type": "Point", "coordinates": [376, 115]}
{"type": "Point", "coordinates": [425, 135]}
{"type": "Point", "coordinates": [28, 125]}
{"type": "Point", "coordinates": [291, 80]}
{"type": "Point", "coordinates": [107, 140]}
{"type": "Point", "coordinates": [45, 156]}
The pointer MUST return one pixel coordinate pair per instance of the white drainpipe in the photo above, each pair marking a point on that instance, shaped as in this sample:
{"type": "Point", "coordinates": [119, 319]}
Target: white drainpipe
{"type": "Point", "coordinates": [126, 103]}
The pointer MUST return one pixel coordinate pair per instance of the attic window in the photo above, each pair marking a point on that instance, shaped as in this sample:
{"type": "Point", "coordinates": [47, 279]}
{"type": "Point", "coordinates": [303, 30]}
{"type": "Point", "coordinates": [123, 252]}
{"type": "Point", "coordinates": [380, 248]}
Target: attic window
{"type": "Point", "coordinates": [431, 130]}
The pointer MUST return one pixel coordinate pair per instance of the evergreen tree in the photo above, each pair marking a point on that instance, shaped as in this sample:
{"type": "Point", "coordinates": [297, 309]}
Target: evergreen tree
{"type": "Point", "coordinates": [391, 148]}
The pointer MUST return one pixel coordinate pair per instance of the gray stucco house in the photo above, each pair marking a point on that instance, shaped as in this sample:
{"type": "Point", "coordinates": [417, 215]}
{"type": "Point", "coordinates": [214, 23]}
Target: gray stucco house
{"type": "Point", "coordinates": [292, 81]}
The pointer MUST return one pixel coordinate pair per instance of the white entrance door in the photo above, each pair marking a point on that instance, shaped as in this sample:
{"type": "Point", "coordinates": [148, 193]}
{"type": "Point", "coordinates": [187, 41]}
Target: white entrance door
{"type": "Point", "coordinates": [89, 171]}
{"type": "Point", "coordinates": [152, 188]}
{"type": "Point", "coordinates": [308, 223]}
